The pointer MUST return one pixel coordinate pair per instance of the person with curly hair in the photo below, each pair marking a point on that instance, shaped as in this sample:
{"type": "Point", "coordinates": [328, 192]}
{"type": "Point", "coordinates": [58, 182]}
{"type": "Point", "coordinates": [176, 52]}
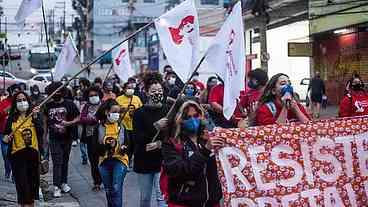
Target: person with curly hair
{"type": "Point", "coordinates": [147, 153]}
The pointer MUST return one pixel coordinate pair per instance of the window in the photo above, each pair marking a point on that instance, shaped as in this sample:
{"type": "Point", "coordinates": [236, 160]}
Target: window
{"type": "Point", "coordinates": [39, 78]}
{"type": "Point", "coordinates": [210, 2]}
{"type": "Point", "coordinates": [48, 78]}
{"type": "Point", "coordinates": [149, 1]}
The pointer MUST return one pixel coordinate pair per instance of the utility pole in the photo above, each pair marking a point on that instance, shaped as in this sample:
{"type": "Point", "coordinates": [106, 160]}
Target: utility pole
{"type": "Point", "coordinates": [263, 40]}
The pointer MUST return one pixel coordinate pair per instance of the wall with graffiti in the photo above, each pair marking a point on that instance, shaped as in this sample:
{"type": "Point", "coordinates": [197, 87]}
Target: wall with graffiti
{"type": "Point", "coordinates": [337, 57]}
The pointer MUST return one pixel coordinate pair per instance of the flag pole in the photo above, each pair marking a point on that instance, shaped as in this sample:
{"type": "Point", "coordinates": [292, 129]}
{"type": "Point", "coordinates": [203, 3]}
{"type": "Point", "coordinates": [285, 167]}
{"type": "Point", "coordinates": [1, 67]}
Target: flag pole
{"type": "Point", "coordinates": [47, 39]}
{"type": "Point", "coordinates": [180, 94]}
{"type": "Point", "coordinates": [108, 72]}
{"type": "Point", "coordinates": [81, 71]}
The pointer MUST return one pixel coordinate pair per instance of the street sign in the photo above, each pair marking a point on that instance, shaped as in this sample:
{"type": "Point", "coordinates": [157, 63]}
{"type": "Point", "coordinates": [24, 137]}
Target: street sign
{"type": "Point", "coordinates": [298, 49]}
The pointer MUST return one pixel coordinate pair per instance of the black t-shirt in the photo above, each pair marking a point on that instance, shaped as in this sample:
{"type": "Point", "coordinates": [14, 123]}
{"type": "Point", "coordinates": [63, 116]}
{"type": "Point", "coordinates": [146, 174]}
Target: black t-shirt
{"type": "Point", "coordinates": [58, 112]}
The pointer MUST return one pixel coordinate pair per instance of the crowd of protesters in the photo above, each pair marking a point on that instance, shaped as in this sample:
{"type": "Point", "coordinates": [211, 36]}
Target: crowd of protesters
{"type": "Point", "coordinates": [124, 127]}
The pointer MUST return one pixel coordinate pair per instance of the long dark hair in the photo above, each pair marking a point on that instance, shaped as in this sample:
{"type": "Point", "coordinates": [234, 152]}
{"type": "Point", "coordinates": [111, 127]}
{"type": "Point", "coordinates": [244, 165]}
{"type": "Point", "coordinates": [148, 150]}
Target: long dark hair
{"type": "Point", "coordinates": [106, 106]}
{"type": "Point", "coordinates": [14, 113]}
{"type": "Point", "coordinates": [267, 93]}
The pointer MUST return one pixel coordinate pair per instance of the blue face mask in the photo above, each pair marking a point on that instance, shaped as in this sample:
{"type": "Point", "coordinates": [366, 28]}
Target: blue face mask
{"type": "Point", "coordinates": [252, 84]}
{"type": "Point", "coordinates": [191, 125]}
{"type": "Point", "coordinates": [189, 92]}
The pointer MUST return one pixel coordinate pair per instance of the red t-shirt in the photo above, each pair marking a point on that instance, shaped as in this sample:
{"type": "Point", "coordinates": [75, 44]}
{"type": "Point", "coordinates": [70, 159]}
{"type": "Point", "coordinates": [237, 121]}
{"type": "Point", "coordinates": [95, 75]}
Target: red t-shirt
{"type": "Point", "coordinates": [217, 95]}
{"type": "Point", "coordinates": [266, 117]}
{"type": "Point", "coordinates": [4, 112]}
{"type": "Point", "coordinates": [355, 103]}
{"type": "Point", "coordinates": [250, 97]}
{"type": "Point", "coordinates": [246, 99]}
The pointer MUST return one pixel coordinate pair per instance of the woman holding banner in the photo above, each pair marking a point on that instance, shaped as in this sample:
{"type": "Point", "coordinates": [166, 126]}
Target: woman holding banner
{"type": "Point", "coordinates": [278, 104]}
{"type": "Point", "coordinates": [25, 146]}
{"type": "Point", "coordinates": [188, 163]}
{"type": "Point", "coordinates": [355, 102]}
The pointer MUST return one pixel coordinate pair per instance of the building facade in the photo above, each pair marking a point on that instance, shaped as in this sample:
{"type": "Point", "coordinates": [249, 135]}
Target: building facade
{"type": "Point", "coordinates": [339, 31]}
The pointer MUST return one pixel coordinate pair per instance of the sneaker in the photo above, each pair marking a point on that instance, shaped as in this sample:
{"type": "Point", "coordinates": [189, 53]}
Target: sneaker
{"type": "Point", "coordinates": [74, 144]}
{"type": "Point", "coordinates": [57, 192]}
{"type": "Point", "coordinates": [65, 188]}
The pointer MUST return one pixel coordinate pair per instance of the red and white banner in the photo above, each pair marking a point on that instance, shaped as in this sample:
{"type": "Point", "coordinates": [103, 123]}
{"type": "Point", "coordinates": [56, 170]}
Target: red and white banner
{"type": "Point", "coordinates": [317, 164]}
{"type": "Point", "coordinates": [178, 30]}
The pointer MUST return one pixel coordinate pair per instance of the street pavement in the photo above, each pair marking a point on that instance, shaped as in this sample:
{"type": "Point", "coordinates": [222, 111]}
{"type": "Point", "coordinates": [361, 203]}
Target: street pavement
{"type": "Point", "coordinates": [81, 184]}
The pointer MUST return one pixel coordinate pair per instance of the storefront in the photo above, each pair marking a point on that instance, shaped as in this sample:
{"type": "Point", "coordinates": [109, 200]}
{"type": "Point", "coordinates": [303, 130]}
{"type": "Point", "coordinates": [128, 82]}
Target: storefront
{"type": "Point", "coordinates": [339, 32]}
{"type": "Point", "coordinates": [337, 55]}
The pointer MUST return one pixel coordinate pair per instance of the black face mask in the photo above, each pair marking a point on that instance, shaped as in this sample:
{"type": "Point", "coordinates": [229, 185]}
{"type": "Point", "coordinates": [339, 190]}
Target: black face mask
{"type": "Point", "coordinates": [357, 87]}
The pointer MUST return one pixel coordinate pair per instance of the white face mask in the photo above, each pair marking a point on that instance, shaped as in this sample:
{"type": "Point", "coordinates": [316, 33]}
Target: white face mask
{"type": "Point", "coordinates": [172, 81]}
{"type": "Point", "coordinates": [195, 78]}
{"type": "Point", "coordinates": [129, 92]}
{"type": "Point", "coordinates": [113, 117]}
{"type": "Point", "coordinates": [94, 100]}
{"type": "Point", "coordinates": [22, 106]}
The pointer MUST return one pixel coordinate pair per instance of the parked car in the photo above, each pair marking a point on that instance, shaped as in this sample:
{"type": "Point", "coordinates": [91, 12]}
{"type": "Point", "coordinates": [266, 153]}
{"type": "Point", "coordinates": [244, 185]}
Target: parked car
{"type": "Point", "coordinates": [41, 80]}
{"type": "Point", "coordinates": [10, 79]}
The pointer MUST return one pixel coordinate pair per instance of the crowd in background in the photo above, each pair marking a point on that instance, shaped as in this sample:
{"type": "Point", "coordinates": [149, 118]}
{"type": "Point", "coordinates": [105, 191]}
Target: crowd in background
{"type": "Point", "coordinates": [126, 126]}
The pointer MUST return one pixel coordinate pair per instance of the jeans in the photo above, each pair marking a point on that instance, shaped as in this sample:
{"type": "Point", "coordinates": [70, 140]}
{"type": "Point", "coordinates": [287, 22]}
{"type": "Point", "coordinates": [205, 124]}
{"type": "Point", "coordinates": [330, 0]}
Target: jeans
{"type": "Point", "coordinates": [113, 173]}
{"type": "Point", "coordinates": [147, 183]}
{"type": "Point", "coordinates": [83, 150]}
{"type": "Point", "coordinates": [60, 152]}
{"type": "Point", "coordinates": [4, 152]}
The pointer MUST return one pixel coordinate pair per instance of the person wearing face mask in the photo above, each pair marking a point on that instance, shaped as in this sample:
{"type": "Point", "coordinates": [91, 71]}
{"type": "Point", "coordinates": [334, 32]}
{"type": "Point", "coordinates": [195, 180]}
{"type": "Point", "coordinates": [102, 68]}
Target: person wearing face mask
{"type": "Point", "coordinates": [171, 88]}
{"type": "Point", "coordinates": [113, 161]}
{"type": "Point", "coordinates": [191, 90]}
{"type": "Point", "coordinates": [4, 112]}
{"type": "Point", "coordinates": [108, 93]}
{"type": "Point", "coordinates": [36, 96]}
{"type": "Point", "coordinates": [355, 102]}
{"type": "Point", "coordinates": [89, 136]}
{"type": "Point", "coordinates": [147, 152]}
{"type": "Point", "coordinates": [25, 146]}
{"type": "Point", "coordinates": [61, 115]}
{"type": "Point", "coordinates": [278, 105]}
{"type": "Point", "coordinates": [246, 109]}
{"type": "Point", "coordinates": [199, 85]}
{"type": "Point", "coordinates": [129, 103]}
{"type": "Point", "coordinates": [211, 82]}
{"type": "Point", "coordinates": [189, 170]}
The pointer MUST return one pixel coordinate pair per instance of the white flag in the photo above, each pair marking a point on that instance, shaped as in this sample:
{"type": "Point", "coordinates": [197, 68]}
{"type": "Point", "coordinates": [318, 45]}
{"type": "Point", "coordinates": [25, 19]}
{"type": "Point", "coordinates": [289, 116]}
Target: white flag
{"type": "Point", "coordinates": [122, 66]}
{"type": "Point", "coordinates": [178, 31]}
{"type": "Point", "coordinates": [65, 64]}
{"type": "Point", "coordinates": [226, 57]}
{"type": "Point", "coordinates": [26, 8]}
